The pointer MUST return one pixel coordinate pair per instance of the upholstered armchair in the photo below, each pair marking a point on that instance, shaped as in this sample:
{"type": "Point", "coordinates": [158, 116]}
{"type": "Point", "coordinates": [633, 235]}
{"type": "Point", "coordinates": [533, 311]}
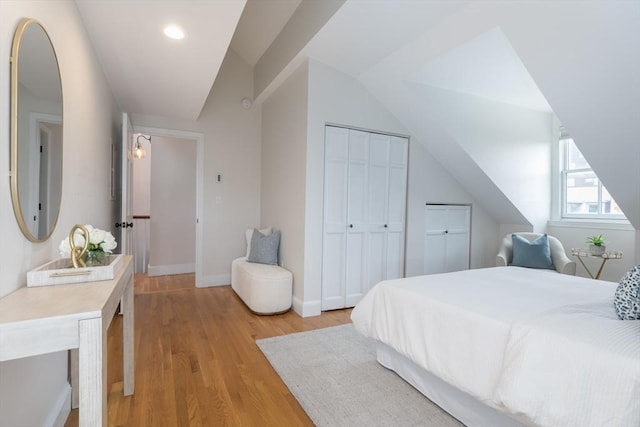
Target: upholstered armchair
{"type": "Point", "coordinates": [561, 261]}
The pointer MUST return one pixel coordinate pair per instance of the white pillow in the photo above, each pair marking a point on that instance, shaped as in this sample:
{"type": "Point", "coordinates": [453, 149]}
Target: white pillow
{"type": "Point", "coordinates": [249, 234]}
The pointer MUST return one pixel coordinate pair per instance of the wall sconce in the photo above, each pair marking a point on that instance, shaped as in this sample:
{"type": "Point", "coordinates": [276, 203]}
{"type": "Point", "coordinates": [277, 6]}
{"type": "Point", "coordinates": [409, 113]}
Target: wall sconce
{"type": "Point", "coordinates": [138, 150]}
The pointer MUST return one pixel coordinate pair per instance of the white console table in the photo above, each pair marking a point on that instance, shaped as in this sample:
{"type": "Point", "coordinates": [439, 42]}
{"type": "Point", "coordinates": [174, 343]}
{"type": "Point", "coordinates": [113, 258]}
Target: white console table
{"type": "Point", "coordinates": [74, 317]}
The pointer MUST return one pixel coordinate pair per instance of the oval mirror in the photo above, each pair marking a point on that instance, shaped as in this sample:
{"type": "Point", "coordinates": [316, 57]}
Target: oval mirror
{"type": "Point", "coordinates": [36, 131]}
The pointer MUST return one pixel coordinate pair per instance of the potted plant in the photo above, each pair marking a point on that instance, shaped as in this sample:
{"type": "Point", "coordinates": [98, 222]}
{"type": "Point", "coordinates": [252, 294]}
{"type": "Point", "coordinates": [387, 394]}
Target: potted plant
{"type": "Point", "coordinates": [596, 244]}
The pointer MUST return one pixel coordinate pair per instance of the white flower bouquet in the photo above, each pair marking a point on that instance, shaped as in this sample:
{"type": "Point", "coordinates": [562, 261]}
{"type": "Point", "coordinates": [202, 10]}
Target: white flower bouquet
{"type": "Point", "coordinates": [99, 241]}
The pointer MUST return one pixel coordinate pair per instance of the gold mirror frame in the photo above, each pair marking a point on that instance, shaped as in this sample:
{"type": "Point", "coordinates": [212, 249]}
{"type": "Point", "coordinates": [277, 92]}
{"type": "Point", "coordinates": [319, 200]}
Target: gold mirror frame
{"type": "Point", "coordinates": [14, 173]}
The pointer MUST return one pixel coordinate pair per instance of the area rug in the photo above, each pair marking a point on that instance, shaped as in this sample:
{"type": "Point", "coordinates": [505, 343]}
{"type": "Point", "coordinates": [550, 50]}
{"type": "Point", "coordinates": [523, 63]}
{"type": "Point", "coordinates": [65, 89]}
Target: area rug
{"type": "Point", "coordinates": [334, 375]}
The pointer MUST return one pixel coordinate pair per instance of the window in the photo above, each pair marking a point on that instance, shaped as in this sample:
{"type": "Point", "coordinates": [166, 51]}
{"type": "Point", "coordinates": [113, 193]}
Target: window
{"type": "Point", "coordinates": [583, 195]}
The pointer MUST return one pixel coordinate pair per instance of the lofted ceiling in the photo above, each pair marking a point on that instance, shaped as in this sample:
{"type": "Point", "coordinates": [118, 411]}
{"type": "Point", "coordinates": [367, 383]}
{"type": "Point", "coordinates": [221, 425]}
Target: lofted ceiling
{"type": "Point", "coordinates": [400, 50]}
{"type": "Point", "coordinates": [153, 75]}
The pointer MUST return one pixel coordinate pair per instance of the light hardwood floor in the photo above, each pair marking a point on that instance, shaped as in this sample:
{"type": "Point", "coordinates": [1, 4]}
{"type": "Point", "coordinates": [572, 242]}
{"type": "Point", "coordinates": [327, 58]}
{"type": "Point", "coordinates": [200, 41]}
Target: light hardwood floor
{"type": "Point", "coordinates": [197, 363]}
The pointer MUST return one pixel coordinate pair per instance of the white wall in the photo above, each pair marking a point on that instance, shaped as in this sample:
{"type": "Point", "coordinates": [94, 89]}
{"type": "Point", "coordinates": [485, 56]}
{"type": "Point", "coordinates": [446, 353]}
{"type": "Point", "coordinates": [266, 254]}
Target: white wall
{"type": "Point", "coordinates": [31, 389]}
{"type": "Point", "coordinates": [429, 182]}
{"type": "Point", "coordinates": [511, 145]}
{"type": "Point", "coordinates": [232, 148]}
{"type": "Point", "coordinates": [284, 154]}
{"type": "Point", "coordinates": [590, 76]}
{"type": "Point", "coordinates": [173, 206]}
{"type": "Point", "coordinates": [337, 98]}
{"type": "Point", "coordinates": [618, 237]}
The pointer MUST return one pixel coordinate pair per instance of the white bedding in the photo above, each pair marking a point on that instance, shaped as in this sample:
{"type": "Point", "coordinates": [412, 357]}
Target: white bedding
{"type": "Point", "coordinates": [516, 339]}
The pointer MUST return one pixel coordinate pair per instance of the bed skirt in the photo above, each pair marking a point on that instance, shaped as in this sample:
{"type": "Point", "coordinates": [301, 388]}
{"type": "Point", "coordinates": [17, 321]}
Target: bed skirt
{"type": "Point", "coordinates": [459, 404]}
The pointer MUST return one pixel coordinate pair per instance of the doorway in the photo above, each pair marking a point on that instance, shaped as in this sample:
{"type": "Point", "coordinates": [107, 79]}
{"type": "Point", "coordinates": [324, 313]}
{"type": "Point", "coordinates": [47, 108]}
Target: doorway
{"type": "Point", "coordinates": [167, 202]}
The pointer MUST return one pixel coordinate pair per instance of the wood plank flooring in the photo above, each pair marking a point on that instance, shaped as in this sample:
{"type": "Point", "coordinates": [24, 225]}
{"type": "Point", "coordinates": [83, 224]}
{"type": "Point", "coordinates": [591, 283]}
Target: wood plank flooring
{"type": "Point", "coordinates": [197, 363]}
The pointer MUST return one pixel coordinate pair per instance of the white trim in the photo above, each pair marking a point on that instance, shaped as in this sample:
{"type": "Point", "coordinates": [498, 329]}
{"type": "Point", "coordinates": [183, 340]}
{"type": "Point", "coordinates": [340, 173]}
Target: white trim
{"type": "Point", "coordinates": [593, 224]}
{"type": "Point", "coordinates": [307, 309]}
{"type": "Point", "coordinates": [31, 204]}
{"type": "Point", "coordinates": [214, 280]}
{"type": "Point", "coordinates": [199, 138]}
{"type": "Point", "coordinates": [61, 409]}
{"type": "Point", "coordinates": [165, 270]}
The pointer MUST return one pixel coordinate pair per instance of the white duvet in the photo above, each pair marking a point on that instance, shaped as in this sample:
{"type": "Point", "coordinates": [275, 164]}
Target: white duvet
{"type": "Point", "coordinates": [543, 346]}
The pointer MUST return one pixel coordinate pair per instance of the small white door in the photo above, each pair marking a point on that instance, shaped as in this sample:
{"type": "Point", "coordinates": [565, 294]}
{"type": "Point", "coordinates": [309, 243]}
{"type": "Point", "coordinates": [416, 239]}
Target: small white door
{"type": "Point", "coordinates": [446, 238]}
{"type": "Point", "coordinates": [126, 238]}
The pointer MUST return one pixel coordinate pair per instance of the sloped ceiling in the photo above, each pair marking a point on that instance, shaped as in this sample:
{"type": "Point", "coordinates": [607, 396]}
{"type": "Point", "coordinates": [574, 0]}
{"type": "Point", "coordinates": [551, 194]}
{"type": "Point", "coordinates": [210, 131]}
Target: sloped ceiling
{"type": "Point", "coordinates": [488, 67]}
{"type": "Point", "coordinates": [577, 53]}
{"type": "Point", "coordinates": [150, 73]}
{"type": "Point", "coordinates": [576, 58]}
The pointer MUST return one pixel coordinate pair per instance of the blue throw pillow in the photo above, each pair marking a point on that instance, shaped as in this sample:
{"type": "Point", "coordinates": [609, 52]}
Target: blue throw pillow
{"type": "Point", "coordinates": [536, 254]}
{"type": "Point", "coordinates": [264, 249]}
{"type": "Point", "coordinates": [627, 298]}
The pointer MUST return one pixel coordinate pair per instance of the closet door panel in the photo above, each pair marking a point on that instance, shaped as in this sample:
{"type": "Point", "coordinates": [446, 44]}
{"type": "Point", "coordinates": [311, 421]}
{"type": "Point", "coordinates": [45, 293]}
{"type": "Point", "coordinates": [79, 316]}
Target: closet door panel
{"type": "Point", "coordinates": [396, 206]}
{"type": "Point", "coordinates": [437, 219]}
{"type": "Point", "coordinates": [457, 252]}
{"type": "Point", "coordinates": [434, 253]}
{"type": "Point", "coordinates": [333, 271]}
{"type": "Point", "coordinates": [376, 257]}
{"type": "Point", "coordinates": [398, 150]}
{"type": "Point", "coordinates": [395, 252]}
{"type": "Point", "coordinates": [356, 284]}
{"type": "Point", "coordinates": [397, 197]}
{"type": "Point", "coordinates": [358, 151]}
{"type": "Point", "coordinates": [458, 219]}
{"type": "Point", "coordinates": [335, 218]}
{"type": "Point", "coordinates": [378, 180]}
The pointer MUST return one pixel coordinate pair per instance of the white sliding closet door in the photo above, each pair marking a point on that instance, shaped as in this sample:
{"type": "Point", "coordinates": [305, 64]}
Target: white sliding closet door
{"type": "Point", "coordinates": [397, 202]}
{"type": "Point", "coordinates": [378, 191]}
{"type": "Point", "coordinates": [364, 213]}
{"type": "Point", "coordinates": [357, 214]}
{"type": "Point", "coordinates": [334, 250]}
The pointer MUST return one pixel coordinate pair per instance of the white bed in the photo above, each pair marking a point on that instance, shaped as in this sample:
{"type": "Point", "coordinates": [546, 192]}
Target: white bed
{"type": "Point", "coordinates": [544, 348]}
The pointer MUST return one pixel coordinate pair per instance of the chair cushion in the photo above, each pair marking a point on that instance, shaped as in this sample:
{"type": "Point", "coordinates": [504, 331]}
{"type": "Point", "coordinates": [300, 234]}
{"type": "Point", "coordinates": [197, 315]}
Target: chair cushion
{"type": "Point", "coordinates": [535, 254]}
{"type": "Point", "coordinates": [264, 249]}
{"type": "Point", "coordinates": [627, 296]}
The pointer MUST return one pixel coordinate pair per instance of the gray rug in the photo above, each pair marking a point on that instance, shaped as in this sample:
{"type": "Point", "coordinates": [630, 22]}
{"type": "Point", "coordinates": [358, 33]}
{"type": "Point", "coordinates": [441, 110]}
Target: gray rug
{"type": "Point", "coordinates": [334, 374]}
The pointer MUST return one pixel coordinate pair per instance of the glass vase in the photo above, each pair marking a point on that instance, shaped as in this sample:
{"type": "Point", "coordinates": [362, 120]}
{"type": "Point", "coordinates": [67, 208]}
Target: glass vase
{"type": "Point", "coordinates": [95, 258]}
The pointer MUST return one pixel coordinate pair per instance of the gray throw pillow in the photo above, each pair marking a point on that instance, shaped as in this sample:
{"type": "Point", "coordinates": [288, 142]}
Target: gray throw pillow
{"type": "Point", "coordinates": [627, 297]}
{"type": "Point", "coordinates": [536, 254]}
{"type": "Point", "coordinates": [264, 249]}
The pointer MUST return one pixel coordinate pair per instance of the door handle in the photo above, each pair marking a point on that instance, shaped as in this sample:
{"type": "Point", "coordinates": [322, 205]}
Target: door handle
{"type": "Point", "coordinates": [350, 225]}
{"type": "Point", "coordinates": [385, 226]}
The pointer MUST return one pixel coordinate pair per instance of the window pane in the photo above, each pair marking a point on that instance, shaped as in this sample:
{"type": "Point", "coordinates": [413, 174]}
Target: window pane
{"type": "Point", "coordinates": [575, 159]}
{"type": "Point", "coordinates": [609, 206]}
{"type": "Point", "coordinates": [582, 192]}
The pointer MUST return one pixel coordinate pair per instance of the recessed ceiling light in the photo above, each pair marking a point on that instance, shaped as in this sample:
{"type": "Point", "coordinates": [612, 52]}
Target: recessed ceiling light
{"type": "Point", "coordinates": [173, 32]}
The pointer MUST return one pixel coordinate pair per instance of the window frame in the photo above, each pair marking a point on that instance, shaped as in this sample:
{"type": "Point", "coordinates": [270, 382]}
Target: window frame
{"type": "Point", "coordinates": [564, 144]}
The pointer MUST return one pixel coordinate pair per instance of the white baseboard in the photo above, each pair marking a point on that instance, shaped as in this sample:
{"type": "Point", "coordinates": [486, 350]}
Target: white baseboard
{"type": "Point", "coordinates": [165, 270]}
{"type": "Point", "coordinates": [306, 309]}
{"type": "Point", "coordinates": [61, 410]}
{"type": "Point", "coordinates": [214, 280]}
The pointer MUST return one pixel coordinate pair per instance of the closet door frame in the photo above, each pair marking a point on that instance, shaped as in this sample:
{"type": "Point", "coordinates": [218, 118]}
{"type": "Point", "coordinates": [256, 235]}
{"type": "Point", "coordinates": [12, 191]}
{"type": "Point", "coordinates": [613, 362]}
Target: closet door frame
{"type": "Point", "coordinates": [443, 234]}
{"type": "Point", "coordinates": [352, 294]}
